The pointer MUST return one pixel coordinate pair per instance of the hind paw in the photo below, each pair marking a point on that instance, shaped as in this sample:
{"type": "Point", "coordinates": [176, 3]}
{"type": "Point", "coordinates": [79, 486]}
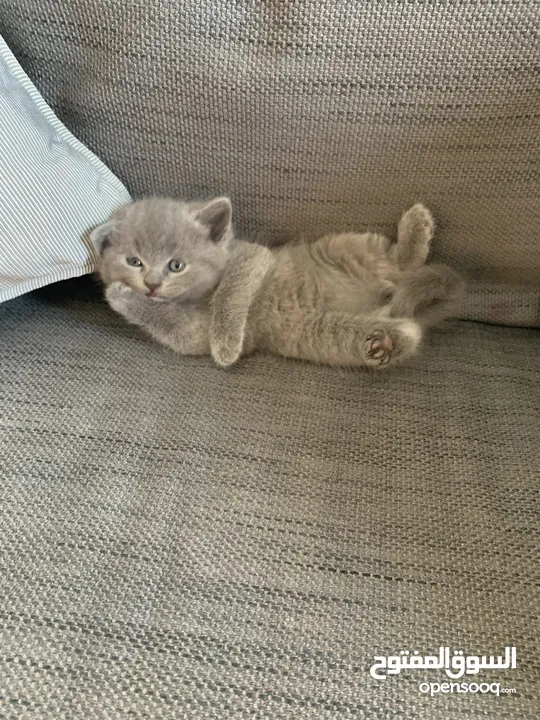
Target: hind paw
{"type": "Point", "coordinates": [378, 348]}
{"type": "Point", "coordinates": [419, 223]}
{"type": "Point", "coordinates": [383, 347]}
{"type": "Point", "coordinates": [415, 232]}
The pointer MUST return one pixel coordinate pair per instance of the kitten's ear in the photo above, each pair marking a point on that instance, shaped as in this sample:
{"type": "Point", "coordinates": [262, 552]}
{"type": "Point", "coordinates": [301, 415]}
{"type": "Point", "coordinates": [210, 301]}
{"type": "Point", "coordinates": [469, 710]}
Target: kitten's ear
{"type": "Point", "coordinates": [216, 216]}
{"type": "Point", "coordinates": [100, 236]}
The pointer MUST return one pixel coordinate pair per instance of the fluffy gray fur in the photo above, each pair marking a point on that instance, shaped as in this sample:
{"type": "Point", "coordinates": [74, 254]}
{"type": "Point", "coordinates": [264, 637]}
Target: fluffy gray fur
{"type": "Point", "coordinates": [345, 299]}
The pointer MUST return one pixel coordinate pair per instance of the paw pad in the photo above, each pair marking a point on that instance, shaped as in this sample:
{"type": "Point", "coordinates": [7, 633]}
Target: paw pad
{"type": "Point", "coordinates": [378, 348]}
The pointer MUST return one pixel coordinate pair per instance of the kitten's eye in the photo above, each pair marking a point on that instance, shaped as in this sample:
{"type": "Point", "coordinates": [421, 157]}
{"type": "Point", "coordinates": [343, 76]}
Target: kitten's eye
{"type": "Point", "coordinates": [134, 261]}
{"type": "Point", "coordinates": [177, 265]}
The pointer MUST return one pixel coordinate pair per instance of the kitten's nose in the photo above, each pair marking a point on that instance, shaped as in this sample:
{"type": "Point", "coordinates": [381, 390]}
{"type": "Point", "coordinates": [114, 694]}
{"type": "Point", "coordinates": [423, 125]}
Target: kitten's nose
{"type": "Point", "coordinates": [151, 286]}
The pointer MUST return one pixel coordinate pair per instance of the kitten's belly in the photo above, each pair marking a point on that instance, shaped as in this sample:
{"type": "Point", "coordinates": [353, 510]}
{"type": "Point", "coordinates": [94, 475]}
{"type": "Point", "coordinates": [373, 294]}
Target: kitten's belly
{"type": "Point", "coordinates": [341, 294]}
{"type": "Point", "coordinates": [332, 291]}
{"type": "Point", "coordinates": [347, 286]}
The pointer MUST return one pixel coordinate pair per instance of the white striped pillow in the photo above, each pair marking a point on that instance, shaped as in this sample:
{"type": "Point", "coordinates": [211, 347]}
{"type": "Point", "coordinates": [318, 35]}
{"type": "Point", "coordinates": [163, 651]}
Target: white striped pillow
{"type": "Point", "coordinates": [53, 190]}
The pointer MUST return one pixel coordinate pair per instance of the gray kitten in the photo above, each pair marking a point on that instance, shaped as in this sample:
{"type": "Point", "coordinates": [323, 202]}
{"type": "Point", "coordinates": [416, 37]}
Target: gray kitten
{"type": "Point", "coordinates": [175, 269]}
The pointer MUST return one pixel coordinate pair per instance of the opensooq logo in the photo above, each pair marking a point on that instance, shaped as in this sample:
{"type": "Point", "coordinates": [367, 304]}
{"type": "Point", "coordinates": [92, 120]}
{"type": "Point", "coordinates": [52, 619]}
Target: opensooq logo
{"type": "Point", "coordinates": [455, 666]}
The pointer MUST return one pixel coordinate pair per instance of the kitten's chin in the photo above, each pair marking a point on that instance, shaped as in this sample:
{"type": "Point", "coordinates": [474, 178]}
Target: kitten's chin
{"type": "Point", "coordinates": [155, 298]}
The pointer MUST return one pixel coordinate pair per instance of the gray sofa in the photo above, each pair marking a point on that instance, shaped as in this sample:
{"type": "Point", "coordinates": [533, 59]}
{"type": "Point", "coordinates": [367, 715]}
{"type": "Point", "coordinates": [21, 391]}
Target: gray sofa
{"type": "Point", "coordinates": [178, 541]}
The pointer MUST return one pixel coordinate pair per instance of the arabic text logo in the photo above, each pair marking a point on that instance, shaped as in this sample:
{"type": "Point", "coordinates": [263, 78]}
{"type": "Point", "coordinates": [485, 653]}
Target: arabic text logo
{"type": "Point", "coordinates": [455, 666]}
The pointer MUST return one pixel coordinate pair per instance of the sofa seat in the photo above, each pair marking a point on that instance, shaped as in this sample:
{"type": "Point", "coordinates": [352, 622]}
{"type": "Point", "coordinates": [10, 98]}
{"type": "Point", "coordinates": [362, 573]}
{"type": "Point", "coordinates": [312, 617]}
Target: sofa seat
{"type": "Point", "coordinates": [181, 541]}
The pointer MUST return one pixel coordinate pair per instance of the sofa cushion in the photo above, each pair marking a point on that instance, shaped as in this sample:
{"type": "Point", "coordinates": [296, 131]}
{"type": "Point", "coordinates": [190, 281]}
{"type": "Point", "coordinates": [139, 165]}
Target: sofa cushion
{"type": "Point", "coordinates": [181, 541]}
{"type": "Point", "coordinates": [53, 190]}
{"type": "Point", "coordinates": [316, 117]}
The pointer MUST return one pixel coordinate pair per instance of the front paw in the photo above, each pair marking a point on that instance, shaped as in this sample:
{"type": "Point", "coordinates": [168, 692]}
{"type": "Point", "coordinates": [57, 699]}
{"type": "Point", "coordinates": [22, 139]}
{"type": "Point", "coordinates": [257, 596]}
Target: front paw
{"type": "Point", "coordinates": [119, 296]}
{"type": "Point", "coordinates": [227, 350]}
{"type": "Point", "coordinates": [116, 289]}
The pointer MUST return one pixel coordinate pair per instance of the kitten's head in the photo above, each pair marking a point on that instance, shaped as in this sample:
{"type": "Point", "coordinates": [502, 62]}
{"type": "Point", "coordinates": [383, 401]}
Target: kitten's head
{"type": "Point", "coordinates": [165, 248]}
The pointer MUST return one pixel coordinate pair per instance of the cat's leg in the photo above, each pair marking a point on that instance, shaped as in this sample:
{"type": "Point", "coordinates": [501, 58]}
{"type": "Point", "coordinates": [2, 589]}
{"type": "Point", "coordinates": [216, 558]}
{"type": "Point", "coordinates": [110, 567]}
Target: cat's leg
{"type": "Point", "coordinates": [415, 232]}
{"type": "Point", "coordinates": [243, 276]}
{"type": "Point", "coordinates": [429, 295]}
{"type": "Point", "coordinates": [185, 330]}
{"type": "Point", "coordinates": [335, 338]}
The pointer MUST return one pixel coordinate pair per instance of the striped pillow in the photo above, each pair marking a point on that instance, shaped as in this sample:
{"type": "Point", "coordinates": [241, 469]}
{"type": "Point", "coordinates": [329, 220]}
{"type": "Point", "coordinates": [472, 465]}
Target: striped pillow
{"type": "Point", "coordinates": [52, 190]}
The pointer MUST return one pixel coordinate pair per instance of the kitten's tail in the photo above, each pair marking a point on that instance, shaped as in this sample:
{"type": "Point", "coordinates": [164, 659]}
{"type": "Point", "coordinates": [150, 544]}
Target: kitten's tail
{"type": "Point", "coordinates": [429, 295]}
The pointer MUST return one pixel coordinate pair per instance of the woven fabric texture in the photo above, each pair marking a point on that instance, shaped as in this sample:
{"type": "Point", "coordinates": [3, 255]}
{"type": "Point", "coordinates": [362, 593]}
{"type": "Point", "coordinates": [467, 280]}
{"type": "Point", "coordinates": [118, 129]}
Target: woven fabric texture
{"type": "Point", "coordinates": [180, 541]}
{"type": "Point", "coordinates": [315, 116]}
